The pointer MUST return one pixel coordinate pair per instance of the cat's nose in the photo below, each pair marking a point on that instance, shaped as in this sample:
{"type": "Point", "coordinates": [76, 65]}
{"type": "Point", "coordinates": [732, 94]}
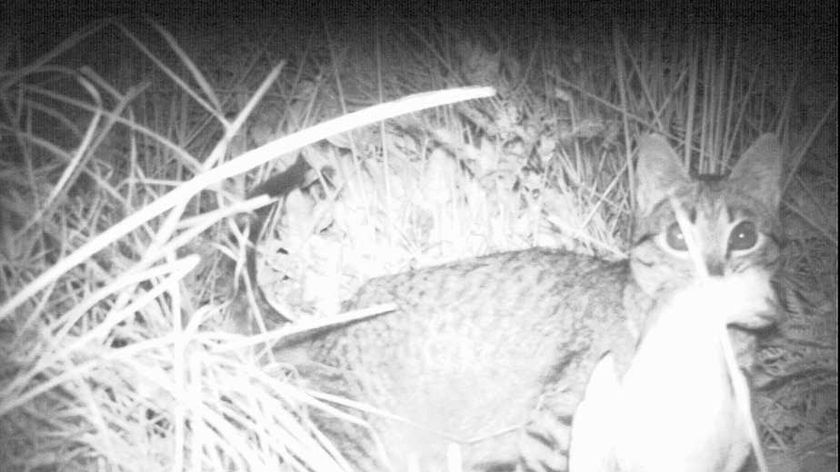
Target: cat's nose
{"type": "Point", "coordinates": [715, 266]}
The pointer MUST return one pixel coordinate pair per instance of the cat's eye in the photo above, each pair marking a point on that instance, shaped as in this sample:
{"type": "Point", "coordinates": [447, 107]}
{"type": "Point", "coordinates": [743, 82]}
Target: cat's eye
{"type": "Point", "coordinates": [744, 236]}
{"type": "Point", "coordinates": [675, 239]}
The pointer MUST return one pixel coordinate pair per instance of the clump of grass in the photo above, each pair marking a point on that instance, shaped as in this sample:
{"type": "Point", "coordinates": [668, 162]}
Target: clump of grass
{"type": "Point", "coordinates": [113, 363]}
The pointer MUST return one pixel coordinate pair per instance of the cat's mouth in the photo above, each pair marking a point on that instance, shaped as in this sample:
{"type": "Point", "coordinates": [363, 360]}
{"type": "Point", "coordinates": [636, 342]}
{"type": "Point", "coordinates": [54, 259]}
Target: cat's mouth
{"type": "Point", "coordinates": [760, 321]}
{"type": "Point", "coordinates": [745, 300]}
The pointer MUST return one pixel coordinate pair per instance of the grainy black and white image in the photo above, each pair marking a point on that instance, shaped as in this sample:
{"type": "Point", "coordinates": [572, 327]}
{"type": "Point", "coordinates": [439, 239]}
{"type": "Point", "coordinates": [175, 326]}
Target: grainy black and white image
{"type": "Point", "coordinates": [423, 237]}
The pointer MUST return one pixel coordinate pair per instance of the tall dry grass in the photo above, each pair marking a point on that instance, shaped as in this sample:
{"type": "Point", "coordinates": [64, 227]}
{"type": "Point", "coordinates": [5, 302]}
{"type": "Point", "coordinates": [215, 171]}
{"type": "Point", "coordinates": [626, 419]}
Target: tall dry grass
{"type": "Point", "coordinates": [121, 179]}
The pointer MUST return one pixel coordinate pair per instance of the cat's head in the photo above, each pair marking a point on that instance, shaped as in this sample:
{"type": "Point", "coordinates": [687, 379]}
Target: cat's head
{"type": "Point", "coordinates": [733, 218]}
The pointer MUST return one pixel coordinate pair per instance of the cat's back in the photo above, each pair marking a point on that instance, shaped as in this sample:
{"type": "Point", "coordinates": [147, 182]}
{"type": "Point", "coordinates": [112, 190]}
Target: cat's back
{"type": "Point", "coordinates": [472, 345]}
{"type": "Point", "coordinates": [512, 298]}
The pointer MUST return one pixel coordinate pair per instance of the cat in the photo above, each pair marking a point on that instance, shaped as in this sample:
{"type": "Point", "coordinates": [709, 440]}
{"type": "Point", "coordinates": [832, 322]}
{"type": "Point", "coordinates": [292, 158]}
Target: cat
{"type": "Point", "coordinates": [494, 353]}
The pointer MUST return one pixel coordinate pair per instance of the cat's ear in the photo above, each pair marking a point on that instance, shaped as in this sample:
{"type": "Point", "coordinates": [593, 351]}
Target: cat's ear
{"type": "Point", "coordinates": [658, 172]}
{"type": "Point", "coordinates": [759, 170]}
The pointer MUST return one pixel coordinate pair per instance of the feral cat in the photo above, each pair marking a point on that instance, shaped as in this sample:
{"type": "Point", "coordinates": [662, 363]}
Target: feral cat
{"type": "Point", "coordinates": [494, 353]}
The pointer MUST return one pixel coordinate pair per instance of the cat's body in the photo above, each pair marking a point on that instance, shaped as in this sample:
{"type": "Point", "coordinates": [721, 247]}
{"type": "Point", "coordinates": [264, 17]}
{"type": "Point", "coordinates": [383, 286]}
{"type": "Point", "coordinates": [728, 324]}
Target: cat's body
{"type": "Point", "coordinates": [478, 345]}
{"type": "Point", "coordinates": [502, 346]}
